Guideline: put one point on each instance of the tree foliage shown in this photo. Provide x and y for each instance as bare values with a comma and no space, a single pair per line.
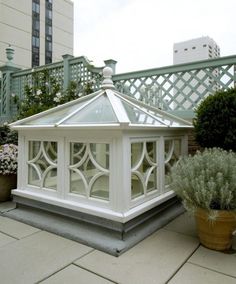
46,92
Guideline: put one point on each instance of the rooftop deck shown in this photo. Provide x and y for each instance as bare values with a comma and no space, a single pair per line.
170,255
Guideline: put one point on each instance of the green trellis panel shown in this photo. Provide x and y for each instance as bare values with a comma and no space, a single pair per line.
177,89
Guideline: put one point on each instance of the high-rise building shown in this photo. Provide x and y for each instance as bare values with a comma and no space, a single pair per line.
40,31
195,49
194,85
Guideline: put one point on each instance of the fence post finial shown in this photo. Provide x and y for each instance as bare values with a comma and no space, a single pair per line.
112,64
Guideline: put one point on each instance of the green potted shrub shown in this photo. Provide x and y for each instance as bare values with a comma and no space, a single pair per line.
215,120
8,170
206,183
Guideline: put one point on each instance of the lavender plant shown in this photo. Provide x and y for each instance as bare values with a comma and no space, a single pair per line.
206,180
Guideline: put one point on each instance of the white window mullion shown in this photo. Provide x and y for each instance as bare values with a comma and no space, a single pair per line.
61,168
161,164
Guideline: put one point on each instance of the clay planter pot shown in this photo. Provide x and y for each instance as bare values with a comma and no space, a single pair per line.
216,234
7,183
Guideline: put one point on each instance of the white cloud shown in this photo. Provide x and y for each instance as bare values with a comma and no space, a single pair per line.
139,34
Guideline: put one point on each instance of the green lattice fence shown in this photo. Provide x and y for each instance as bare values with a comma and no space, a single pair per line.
180,88
177,89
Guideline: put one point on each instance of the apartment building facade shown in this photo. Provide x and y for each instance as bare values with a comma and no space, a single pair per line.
40,31
195,49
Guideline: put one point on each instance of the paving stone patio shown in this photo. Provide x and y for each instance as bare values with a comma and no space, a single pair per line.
170,255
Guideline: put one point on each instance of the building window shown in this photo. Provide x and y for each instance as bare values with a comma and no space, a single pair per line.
35,41
48,31
204,45
36,25
48,46
48,14
185,49
194,47
35,58
35,7
35,32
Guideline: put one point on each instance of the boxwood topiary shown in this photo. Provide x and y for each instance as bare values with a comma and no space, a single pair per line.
215,121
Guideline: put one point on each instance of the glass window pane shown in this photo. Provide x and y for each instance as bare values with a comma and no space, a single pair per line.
100,153
55,116
151,151
100,188
136,186
137,116
50,180
144,115
42,164
77,152
152,181
89,169
51,150
99,111
33,176
34,147
172,153
77,185
143,168
136,153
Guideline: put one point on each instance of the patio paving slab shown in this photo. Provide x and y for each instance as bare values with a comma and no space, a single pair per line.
194,274
4,239
184,224
154,260
74,275
217,261
16,229
7,206
36,257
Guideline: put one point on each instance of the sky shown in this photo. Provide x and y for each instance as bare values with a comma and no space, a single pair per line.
139,34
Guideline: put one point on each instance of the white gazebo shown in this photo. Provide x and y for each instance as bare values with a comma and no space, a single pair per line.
104,157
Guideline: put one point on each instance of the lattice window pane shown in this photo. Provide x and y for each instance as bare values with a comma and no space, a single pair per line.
172,154
42,164
89,170
143,168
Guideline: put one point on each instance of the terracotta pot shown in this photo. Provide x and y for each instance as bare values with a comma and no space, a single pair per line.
7,183
216,234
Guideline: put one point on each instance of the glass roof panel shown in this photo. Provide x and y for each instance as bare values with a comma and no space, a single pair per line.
165,119
57,115
140,115
137,116
97,112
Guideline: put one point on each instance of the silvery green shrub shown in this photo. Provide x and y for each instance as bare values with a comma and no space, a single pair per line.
206,180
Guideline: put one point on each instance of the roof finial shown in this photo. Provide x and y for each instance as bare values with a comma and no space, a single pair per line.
107,83
10,53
